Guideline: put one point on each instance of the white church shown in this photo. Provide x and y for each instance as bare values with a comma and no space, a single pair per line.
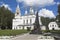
23,22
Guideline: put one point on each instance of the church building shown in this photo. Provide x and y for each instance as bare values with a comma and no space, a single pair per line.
26,21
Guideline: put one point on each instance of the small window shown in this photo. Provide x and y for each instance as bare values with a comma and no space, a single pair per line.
52,25
55,25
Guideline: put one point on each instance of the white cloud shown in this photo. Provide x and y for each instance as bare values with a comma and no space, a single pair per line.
6,6
46,13
37,2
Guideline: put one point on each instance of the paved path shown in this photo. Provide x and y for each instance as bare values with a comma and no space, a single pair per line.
26,37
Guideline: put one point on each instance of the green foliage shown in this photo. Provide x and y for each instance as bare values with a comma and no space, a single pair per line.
28,28
46,21
59,9
12,32
46,31
58,16
6,17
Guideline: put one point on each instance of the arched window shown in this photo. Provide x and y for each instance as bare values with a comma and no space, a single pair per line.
27,21
24,21
30,21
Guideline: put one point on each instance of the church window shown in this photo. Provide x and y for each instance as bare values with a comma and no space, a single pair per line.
27,21
52,25
30,21
24,21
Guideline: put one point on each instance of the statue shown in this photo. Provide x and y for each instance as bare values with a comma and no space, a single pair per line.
37,29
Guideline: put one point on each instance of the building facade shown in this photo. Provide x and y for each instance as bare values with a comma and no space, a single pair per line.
24,22
53,26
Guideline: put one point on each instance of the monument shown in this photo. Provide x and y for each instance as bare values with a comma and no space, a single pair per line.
37,29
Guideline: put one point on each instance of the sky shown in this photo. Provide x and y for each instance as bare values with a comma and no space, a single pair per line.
46,8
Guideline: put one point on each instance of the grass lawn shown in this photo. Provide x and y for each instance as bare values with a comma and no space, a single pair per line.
12,32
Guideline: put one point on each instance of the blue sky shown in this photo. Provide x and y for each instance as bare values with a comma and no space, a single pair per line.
13,3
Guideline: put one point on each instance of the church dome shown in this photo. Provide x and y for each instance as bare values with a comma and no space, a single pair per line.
31,11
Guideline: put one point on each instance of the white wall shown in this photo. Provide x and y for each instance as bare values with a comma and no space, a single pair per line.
53,25
20,21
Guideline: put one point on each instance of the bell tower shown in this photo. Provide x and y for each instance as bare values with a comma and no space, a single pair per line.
31,11
17,13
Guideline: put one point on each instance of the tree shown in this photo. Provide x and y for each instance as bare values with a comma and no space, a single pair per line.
6,17
46,21
58,16
59,9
